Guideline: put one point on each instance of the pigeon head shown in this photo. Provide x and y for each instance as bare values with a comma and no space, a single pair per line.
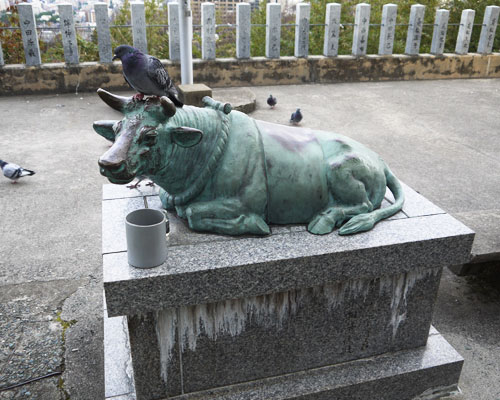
2,163
123,51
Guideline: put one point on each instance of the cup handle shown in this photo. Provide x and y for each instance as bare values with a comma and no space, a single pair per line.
167,222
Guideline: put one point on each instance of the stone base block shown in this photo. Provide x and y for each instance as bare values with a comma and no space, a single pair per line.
192,94
424,373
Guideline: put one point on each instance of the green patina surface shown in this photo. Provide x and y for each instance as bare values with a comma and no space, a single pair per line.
228,173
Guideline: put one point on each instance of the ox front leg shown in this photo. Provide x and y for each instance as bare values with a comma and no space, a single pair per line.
227,216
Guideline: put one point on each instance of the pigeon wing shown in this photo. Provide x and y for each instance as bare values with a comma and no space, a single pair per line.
158,74
26,172
12,171
126,80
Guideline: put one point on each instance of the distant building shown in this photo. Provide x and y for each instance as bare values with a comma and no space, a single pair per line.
4,4
224,7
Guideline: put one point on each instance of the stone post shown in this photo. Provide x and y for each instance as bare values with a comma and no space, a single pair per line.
103,33
208,31
174,47
68,32
273,30
29,34
302,29
490,22
138,17
387,29
465,31
361,27
414,35
439,33
332,27
243,14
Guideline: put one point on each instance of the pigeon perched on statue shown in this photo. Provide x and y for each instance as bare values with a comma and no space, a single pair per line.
271,101
296,117
146,74
14,171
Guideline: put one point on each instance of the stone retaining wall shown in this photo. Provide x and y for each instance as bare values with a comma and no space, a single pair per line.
258,71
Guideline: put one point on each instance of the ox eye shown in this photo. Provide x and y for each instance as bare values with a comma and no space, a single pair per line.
148,134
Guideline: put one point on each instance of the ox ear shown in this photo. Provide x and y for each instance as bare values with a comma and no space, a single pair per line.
185,136
105,129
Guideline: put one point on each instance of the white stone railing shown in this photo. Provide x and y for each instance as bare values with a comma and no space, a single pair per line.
332,25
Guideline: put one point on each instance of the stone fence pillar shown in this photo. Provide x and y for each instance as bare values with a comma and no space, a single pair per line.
273,30
332,30
414,35
490,22
301,48
439,33
138,18
103,33
361,28
243,16
387,29
68,32
29,34
208,31
174,47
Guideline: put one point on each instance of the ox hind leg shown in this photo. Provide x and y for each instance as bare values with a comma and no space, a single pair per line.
348,183
227,216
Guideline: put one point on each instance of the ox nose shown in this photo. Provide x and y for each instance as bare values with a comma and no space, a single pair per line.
110,164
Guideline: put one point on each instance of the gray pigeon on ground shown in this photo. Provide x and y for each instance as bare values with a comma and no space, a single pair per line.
14,171
271,101
296,117
146,74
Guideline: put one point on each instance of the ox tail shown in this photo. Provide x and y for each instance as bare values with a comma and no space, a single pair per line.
364,222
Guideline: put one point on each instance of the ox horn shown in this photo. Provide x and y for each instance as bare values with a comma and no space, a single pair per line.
168,106
119,103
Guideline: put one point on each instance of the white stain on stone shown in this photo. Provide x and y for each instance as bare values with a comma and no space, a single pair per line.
338,292
398,286
439,392
230,317
165,331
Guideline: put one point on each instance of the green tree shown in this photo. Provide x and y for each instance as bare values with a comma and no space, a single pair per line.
10,39
456,7
157,36
258,31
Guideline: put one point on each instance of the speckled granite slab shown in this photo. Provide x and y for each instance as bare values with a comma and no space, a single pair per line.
424,373
204,268
223,310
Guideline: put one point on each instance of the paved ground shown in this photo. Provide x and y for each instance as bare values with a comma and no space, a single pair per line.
440,137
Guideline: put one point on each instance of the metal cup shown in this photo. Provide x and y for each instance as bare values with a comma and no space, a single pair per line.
146,231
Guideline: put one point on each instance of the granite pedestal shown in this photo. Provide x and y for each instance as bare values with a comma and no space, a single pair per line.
290,315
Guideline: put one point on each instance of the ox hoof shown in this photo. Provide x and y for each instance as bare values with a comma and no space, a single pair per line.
259,226
163,197
320,227
359,223
326,221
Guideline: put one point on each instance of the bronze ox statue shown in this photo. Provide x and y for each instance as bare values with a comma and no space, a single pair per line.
226,172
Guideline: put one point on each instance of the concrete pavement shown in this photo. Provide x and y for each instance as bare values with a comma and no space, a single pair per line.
439,137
